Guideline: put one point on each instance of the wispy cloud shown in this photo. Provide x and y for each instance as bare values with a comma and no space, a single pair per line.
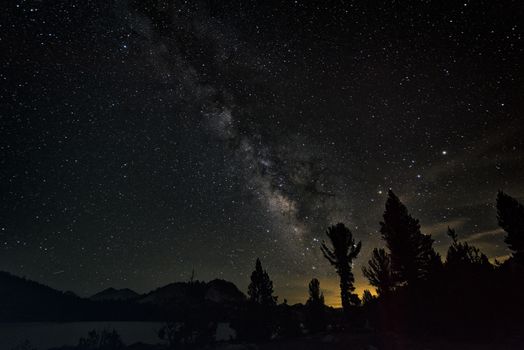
441,228
500,258
485,234
480,155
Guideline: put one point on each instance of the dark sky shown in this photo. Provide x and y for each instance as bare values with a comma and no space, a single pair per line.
142,139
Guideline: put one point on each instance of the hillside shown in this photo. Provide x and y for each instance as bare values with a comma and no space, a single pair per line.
25,300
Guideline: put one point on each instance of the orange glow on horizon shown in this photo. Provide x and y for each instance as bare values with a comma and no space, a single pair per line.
330,288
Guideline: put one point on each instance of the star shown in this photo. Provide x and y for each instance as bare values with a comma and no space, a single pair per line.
152,137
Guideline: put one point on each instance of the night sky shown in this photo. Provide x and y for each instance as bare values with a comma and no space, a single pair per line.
140,140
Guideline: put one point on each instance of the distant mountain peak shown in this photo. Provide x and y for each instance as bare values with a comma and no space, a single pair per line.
217,290
221,291
115,294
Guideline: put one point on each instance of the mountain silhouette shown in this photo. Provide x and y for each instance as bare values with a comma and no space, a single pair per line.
26,300
22,299
217,291
115,294
221,291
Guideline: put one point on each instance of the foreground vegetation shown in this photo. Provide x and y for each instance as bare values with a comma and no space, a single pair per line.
422,299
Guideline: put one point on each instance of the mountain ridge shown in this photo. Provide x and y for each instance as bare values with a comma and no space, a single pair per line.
22,299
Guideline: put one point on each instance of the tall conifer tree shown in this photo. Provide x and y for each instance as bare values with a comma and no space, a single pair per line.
341,256
411,252
260,289
510,215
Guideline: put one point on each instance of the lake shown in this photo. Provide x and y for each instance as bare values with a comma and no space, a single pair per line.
46,335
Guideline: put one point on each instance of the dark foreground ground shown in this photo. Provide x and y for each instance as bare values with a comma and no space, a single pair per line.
367,341
386,342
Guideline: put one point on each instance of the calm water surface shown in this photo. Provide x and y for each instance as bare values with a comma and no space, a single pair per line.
46,335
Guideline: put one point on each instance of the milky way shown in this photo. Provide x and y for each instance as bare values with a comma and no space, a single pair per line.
143,139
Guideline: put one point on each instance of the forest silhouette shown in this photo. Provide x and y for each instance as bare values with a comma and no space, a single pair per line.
460,296
419,292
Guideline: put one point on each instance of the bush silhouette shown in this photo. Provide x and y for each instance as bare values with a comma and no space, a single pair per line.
103,340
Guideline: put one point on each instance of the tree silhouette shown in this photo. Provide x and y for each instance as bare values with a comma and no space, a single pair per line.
379,272
315,318
367,297
315,294
510,215
104,340
195,332
260,289
258,320
462,255
341,256
411,252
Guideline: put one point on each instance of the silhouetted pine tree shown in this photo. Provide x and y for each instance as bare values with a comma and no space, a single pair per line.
510,215
315,306
462,255
468,281
259,320
411,252
260,289
367,298
341,256
379,272
315,294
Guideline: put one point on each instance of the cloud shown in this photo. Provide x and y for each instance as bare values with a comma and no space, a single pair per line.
485,234
500,258
441,228
481,155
